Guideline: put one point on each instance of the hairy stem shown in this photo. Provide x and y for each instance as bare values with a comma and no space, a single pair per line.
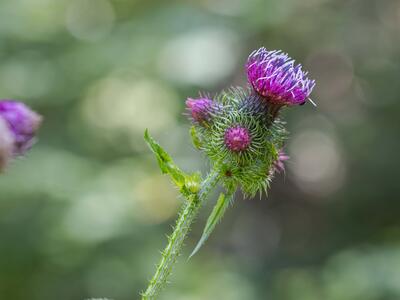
189,211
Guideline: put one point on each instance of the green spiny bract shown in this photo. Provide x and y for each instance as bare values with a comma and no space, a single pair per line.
250,167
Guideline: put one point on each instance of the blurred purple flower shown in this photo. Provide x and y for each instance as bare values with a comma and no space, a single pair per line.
200,109
274,75
22,124
237,139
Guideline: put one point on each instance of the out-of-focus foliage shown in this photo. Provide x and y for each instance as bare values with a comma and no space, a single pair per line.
85,214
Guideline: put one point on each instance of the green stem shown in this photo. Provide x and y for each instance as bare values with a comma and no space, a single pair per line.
171,252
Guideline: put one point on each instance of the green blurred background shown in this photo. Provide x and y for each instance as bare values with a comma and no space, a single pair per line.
86,212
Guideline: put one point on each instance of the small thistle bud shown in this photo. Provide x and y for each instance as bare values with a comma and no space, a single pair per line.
22,124
278,165
237,139
274,75
200,109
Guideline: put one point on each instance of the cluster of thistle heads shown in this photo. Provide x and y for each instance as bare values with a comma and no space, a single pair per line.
18,128
239,129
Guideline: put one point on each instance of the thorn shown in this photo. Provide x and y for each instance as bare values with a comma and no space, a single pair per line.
312,102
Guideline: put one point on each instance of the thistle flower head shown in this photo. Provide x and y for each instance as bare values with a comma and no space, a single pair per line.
22,124
274,75
237,139
200,109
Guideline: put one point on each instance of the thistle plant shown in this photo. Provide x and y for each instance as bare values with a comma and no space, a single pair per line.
18,128
240,132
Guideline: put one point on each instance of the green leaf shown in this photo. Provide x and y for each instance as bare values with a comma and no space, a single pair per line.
216,215
165,162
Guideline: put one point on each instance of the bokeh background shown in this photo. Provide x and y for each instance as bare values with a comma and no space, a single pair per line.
86,212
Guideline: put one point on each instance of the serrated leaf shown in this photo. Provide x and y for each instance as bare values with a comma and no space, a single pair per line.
215,216
165,162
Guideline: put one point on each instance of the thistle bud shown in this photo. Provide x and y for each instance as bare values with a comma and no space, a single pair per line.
278,165
237,139
18,127
200,109
274,75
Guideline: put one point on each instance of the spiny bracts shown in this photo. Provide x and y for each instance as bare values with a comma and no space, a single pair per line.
241,139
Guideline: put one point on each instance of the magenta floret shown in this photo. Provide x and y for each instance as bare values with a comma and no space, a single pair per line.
237,139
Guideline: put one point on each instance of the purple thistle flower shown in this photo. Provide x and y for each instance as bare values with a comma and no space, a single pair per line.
274,75
22,124
237,139
200,109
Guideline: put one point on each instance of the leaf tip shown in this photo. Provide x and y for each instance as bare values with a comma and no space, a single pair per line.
198,246
146,134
